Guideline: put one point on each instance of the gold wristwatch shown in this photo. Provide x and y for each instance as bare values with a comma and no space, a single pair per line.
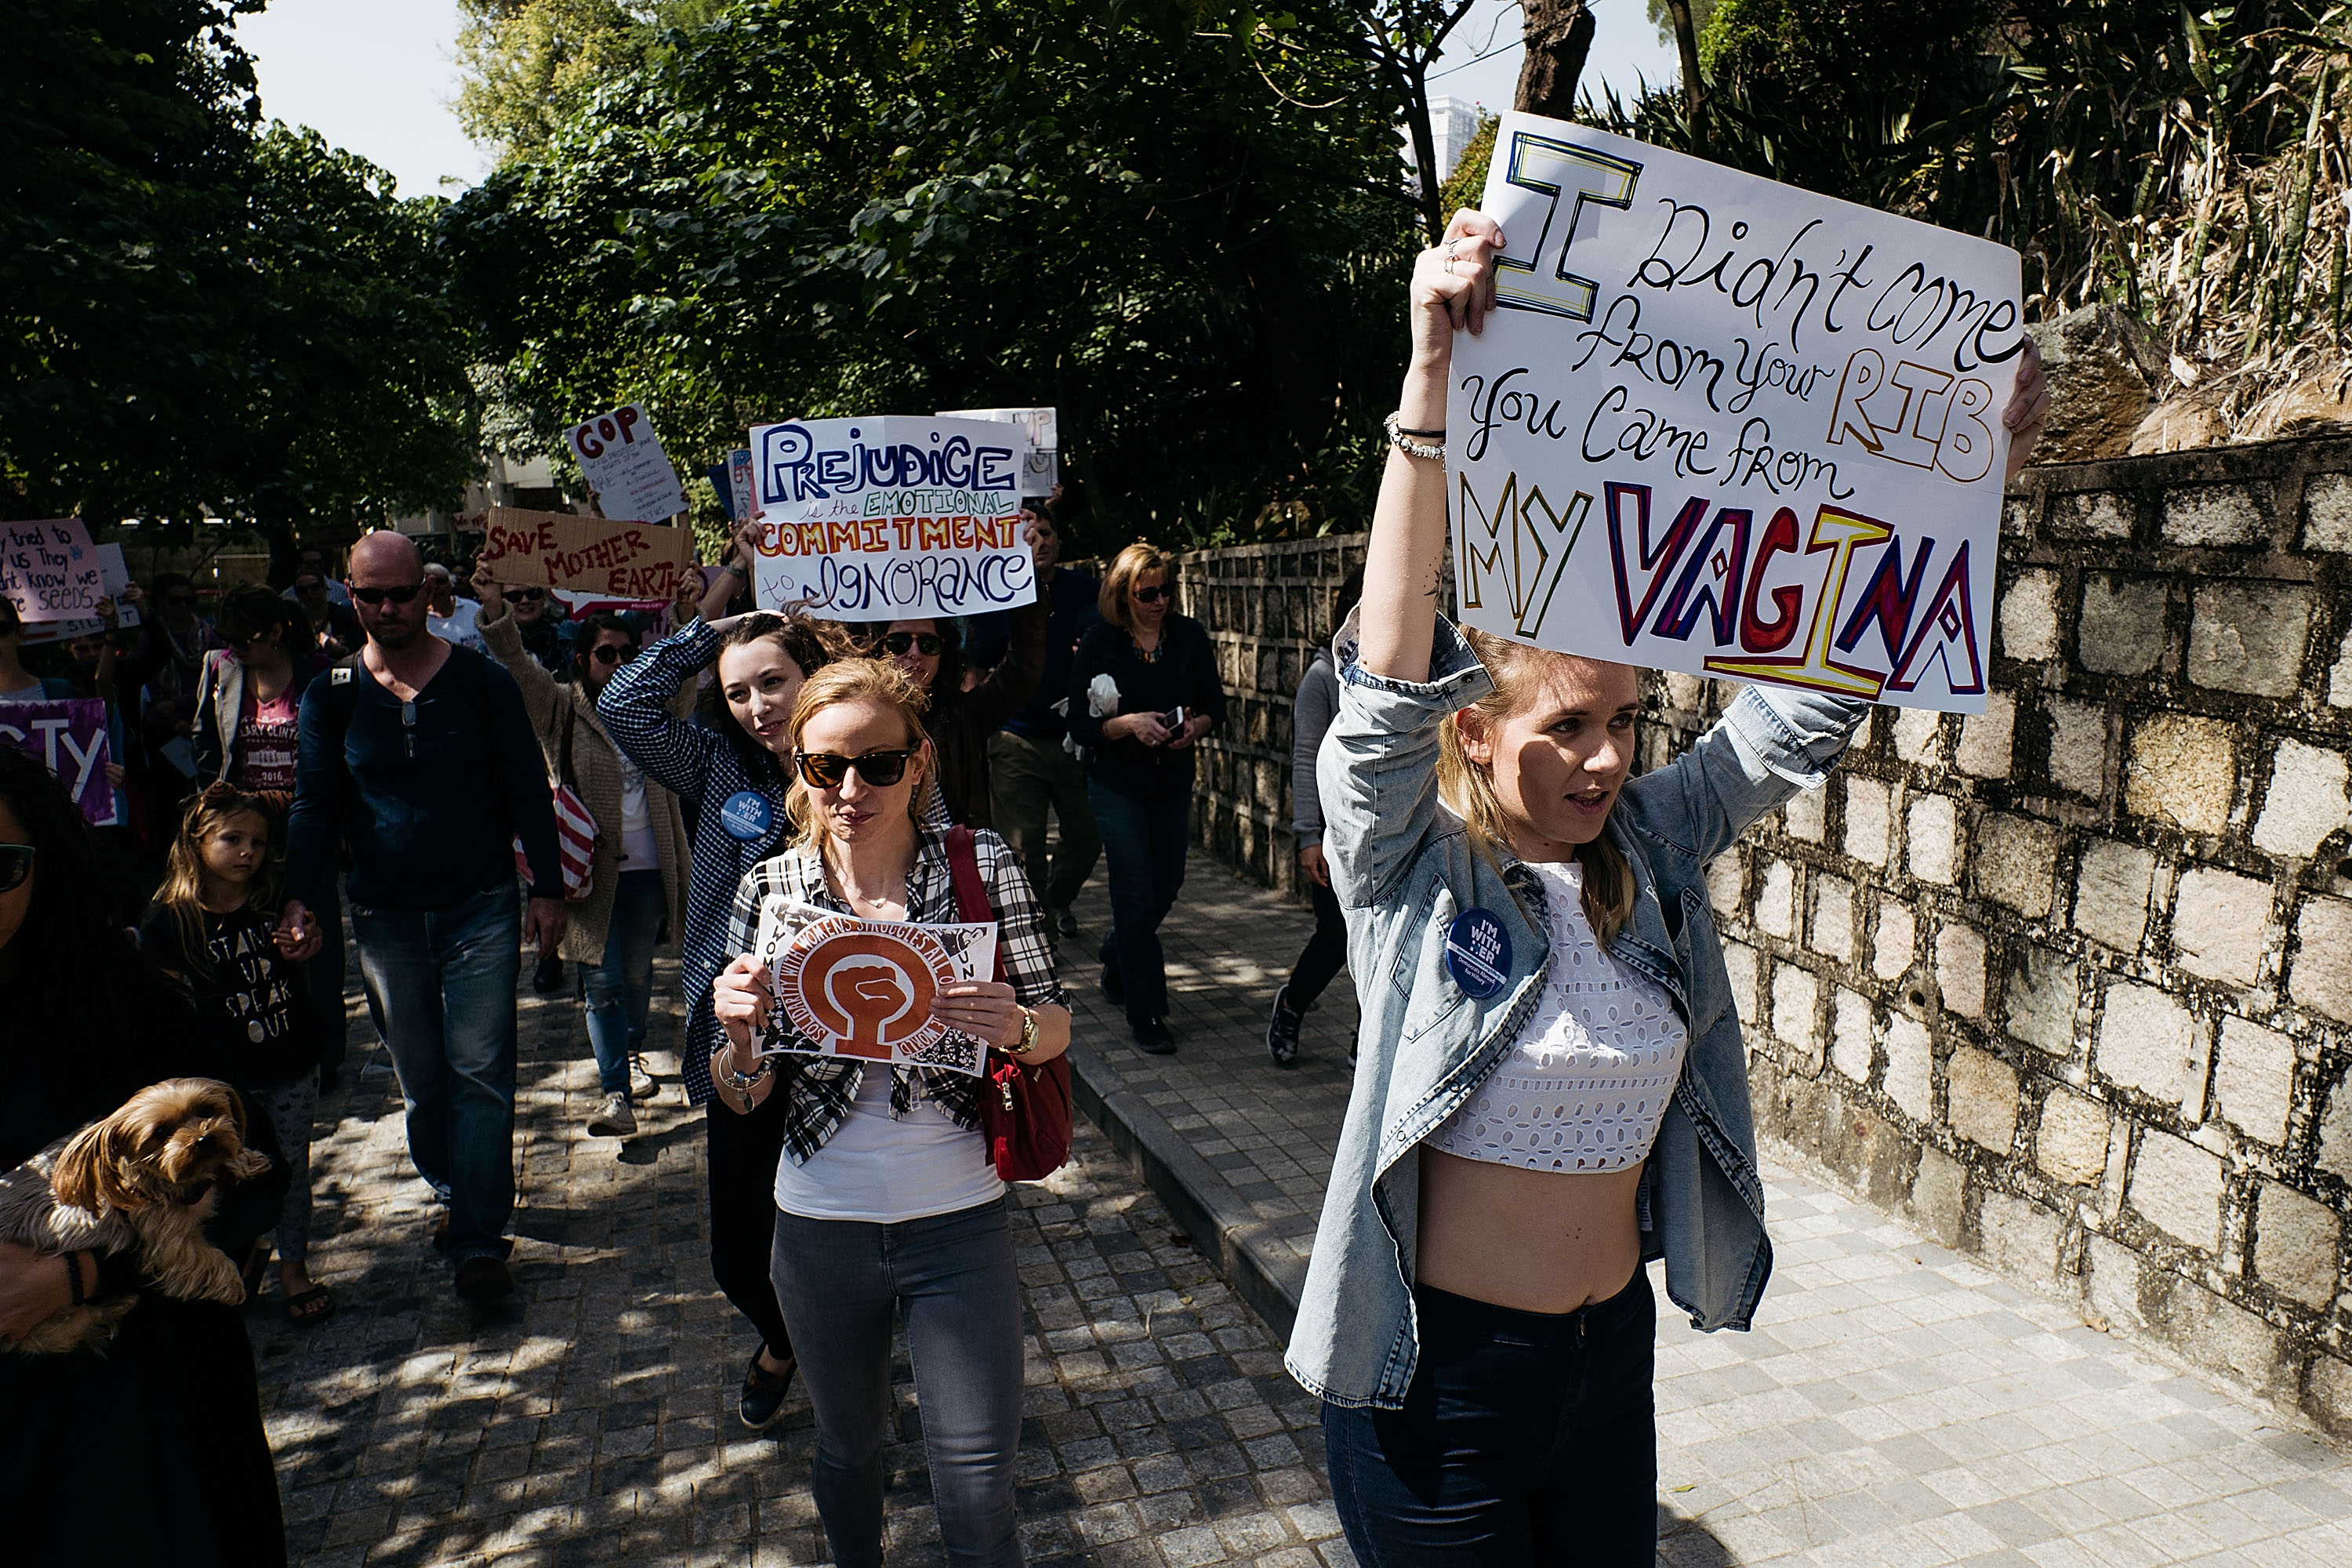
1028,1035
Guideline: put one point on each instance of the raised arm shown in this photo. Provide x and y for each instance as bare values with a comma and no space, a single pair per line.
636,708
503,637
1452,287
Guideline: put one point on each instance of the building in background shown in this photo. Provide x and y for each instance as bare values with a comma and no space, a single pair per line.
1451,122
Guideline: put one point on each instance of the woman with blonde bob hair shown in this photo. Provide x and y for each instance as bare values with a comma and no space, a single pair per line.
1552,1087
1143,688
885,1196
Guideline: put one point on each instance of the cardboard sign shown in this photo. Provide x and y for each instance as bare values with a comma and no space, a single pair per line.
1042,471
49,570
114,577
885,519
851,987
1725,426
622,461
69,738
592,554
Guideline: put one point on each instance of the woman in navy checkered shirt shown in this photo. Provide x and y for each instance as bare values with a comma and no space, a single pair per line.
885,1196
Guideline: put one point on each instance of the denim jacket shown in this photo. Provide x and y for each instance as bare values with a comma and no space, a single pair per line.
1403,867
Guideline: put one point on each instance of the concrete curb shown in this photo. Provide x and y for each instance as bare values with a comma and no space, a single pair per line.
1198,1197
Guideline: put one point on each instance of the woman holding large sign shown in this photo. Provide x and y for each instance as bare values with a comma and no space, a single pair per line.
886,1197
730,765
1554,1089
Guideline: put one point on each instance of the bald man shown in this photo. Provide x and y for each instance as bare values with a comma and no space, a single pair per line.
420,763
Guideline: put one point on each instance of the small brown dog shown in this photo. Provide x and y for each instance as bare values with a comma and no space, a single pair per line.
144,1179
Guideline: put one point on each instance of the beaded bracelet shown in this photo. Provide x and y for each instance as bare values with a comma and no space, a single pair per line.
1403,440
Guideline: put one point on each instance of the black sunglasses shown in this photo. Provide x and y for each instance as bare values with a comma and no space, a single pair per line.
825,770
533,594
612,653
1151,595
15,865
397,596
928,643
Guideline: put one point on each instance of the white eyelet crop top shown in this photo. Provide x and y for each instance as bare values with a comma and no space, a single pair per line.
1587,1083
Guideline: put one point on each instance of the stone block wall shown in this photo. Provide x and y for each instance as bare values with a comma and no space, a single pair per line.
2069,983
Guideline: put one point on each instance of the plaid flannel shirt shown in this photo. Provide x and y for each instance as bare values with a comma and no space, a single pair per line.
820,1088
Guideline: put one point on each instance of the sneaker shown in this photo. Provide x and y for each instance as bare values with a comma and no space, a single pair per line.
763,1393
643,1085
1282,1031
1114,987
1065,921
484,1279
614,1118
1153,1039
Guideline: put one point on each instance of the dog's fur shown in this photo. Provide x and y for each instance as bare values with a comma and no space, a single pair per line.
143,1180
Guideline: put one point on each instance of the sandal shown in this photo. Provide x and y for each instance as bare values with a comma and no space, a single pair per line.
312,1307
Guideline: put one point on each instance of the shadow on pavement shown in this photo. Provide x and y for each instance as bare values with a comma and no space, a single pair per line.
1688,1543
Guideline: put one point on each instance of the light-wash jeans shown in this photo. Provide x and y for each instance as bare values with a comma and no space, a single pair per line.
951,1277
443,983
620,990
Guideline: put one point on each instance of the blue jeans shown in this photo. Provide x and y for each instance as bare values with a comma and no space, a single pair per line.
1144,841
443,981
1526,1439
952,1279
620,990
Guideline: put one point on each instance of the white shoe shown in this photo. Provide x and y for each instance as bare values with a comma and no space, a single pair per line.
614,1118
643,1085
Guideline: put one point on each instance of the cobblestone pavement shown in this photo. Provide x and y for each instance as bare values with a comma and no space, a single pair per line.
1895,1405
593,1419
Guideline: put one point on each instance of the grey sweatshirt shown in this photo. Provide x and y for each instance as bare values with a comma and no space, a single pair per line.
1310,715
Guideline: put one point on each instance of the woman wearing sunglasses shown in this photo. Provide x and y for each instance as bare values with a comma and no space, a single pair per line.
730,765
1143,688
639,873
885,1198
930,654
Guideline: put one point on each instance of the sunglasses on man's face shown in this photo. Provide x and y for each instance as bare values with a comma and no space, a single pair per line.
927,644
397,596
825,770
1151,595
615,652
15,865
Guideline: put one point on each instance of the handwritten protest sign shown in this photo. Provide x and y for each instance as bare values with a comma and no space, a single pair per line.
69,738
740,506
851,987
114,577
1728,427
590,555
622,461
1043,470
899,516
49,570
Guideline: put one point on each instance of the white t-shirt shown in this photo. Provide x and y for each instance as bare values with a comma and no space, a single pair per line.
884,1172
457,626
639,849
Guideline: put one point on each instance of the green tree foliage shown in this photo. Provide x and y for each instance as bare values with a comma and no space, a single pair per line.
528,63
199,316
809,207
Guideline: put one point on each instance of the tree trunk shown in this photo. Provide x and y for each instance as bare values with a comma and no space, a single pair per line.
1686,44
1558,34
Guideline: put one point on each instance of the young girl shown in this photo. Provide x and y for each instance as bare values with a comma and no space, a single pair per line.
213,925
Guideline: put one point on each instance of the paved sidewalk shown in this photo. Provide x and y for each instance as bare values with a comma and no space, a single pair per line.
593,1419
1895,1405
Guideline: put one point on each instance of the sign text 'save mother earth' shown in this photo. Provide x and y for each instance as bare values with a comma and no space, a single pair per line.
1729,427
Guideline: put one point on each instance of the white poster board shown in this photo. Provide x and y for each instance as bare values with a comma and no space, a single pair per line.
894,517
863,989
1042,471
623,463
1728,427
114,577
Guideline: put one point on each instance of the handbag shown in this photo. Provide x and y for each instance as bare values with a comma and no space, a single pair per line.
575,829
1025,1107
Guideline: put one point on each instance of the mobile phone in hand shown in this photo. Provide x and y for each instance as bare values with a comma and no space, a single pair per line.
1173,720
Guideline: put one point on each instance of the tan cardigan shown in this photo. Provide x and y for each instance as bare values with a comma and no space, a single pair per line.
596,773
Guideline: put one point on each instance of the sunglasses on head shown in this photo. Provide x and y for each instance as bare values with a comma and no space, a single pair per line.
825,770
15,865
612,653
1151,595
397,596
929,644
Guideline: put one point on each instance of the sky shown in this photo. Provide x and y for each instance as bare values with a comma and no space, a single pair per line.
379,77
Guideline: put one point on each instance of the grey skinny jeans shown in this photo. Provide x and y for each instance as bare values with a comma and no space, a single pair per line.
952,1278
